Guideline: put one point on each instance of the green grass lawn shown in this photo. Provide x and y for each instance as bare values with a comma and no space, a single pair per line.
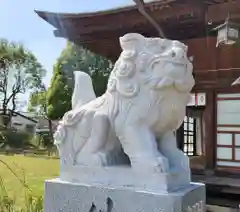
35,170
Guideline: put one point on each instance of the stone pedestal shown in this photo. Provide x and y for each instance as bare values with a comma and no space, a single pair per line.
62,196
125,176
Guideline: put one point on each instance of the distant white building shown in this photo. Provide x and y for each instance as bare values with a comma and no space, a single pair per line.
43,125
21,121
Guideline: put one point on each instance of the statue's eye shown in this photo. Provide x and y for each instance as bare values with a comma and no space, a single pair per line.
173,54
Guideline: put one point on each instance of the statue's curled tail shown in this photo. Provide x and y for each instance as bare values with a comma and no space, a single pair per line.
83,89
83,93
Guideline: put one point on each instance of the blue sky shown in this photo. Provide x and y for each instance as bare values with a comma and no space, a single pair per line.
18,22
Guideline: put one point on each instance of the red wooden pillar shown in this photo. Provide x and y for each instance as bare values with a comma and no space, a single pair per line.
209,136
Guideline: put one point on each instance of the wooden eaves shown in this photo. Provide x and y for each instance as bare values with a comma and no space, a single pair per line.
99,31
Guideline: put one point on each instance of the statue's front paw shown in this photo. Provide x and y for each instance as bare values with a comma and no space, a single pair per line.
163,164
185,162
102,158
181,162
67,159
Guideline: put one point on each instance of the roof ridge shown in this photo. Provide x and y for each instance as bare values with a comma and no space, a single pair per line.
47,14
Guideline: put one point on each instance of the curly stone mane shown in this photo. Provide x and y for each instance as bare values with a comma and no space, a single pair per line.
134,68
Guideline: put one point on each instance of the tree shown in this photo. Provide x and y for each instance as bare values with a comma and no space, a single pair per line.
74,58
38,105
19,71
58,94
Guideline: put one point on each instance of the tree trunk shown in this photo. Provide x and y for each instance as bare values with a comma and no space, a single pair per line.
5,120
50,129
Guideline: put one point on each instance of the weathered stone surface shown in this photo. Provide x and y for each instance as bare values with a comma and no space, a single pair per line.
72,197
117,176
145,102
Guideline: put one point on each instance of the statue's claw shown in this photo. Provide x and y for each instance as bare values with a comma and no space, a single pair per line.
163,165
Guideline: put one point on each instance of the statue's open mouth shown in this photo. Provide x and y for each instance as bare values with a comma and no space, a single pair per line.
176,68
177,63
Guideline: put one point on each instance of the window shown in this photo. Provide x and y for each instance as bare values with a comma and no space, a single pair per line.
189,136
228,130
17,124
29,128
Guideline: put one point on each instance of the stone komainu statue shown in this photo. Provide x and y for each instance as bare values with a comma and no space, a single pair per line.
134,121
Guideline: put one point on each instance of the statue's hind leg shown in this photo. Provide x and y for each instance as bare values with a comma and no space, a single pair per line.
139,144
168,147
93,152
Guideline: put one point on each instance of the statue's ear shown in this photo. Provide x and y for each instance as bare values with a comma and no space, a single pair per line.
191,58
131,41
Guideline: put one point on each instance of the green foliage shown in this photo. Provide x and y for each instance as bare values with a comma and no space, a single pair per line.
15,139
58,95
36,141
42,140
20,139
14,56
19,71
46,140
37,102
74,58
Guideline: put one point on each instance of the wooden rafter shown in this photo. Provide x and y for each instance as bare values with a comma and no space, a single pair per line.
218,13
141,7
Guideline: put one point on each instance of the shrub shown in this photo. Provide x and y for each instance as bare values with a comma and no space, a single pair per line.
45,139
15,139
36,141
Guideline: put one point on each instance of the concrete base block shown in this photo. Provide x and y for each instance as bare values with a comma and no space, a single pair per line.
63,196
